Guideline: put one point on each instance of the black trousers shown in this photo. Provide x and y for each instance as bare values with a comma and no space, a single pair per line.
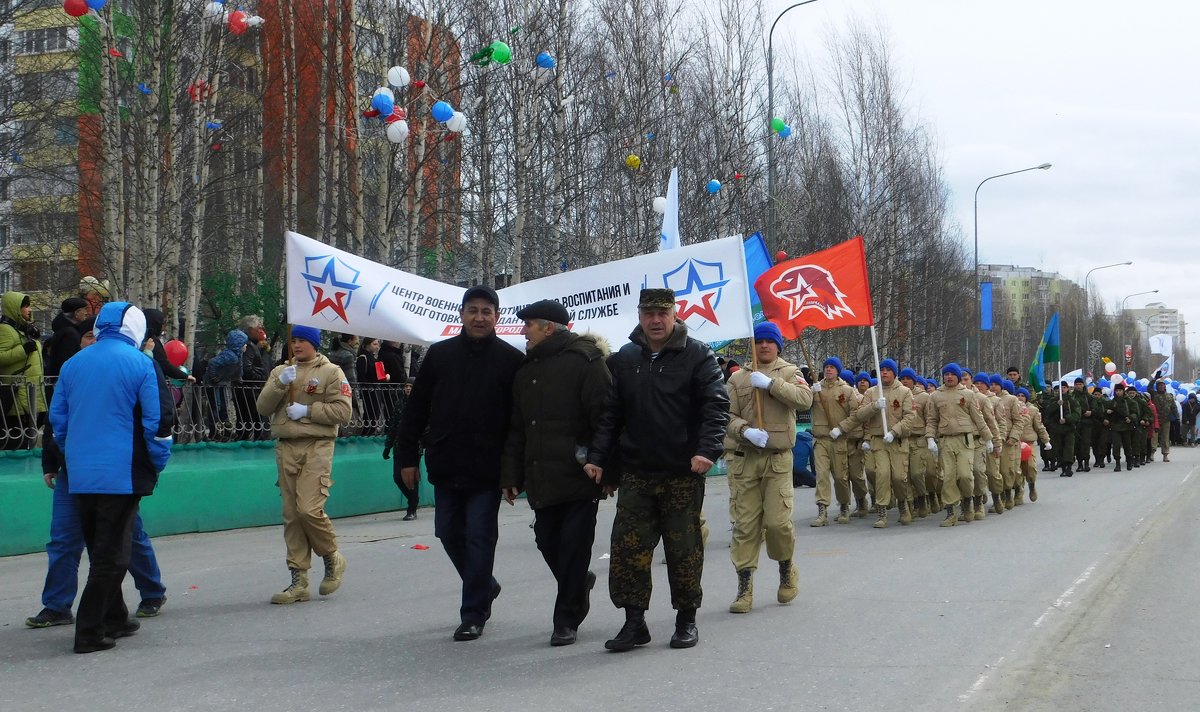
564,534
465,520
414,499
107,521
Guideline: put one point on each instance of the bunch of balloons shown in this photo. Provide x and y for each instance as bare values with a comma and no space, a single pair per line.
238,21
454,120
780,127
79,8
497,52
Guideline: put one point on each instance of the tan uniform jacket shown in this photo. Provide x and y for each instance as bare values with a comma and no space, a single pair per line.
832,405
990,433
779,405
321,386
921,402
1031,425
953,411
1009,406
902,416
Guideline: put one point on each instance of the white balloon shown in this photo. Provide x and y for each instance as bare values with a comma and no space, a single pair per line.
398,77
660,205
214,10
384,90
397,131
1131,375
458,122
254,21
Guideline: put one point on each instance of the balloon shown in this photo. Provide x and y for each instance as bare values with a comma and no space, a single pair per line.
457,122
1144,381
1117,378
398,77
785,132
501,53
214,11
237,22
385,92
75,8
397,131
442,112
1110,367
177,352
713,186
1131,375
398,114
97,5
1026,451
633,162
545,60
778,124
780,256
419,84
383,103
660,205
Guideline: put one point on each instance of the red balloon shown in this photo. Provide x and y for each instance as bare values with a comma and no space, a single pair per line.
177,352
75,8
237,22
398,114
1026,452
418,84
780,256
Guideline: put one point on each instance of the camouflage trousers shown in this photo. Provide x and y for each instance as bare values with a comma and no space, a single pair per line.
649,509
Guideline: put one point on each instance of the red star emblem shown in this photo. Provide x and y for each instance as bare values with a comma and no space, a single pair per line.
703,308
321,301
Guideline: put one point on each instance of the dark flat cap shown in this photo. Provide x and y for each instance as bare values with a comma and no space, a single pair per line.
72,303
547,309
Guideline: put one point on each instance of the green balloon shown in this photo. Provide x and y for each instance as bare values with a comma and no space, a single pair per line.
777,124
501,53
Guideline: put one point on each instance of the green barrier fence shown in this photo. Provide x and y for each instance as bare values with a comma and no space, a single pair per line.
206,487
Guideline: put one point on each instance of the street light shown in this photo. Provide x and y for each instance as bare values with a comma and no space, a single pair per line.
770,115
1122,321
1087,305
978,305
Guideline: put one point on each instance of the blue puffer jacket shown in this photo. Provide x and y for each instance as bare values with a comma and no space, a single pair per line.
112,412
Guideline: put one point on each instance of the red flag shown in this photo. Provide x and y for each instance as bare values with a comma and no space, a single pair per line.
826,290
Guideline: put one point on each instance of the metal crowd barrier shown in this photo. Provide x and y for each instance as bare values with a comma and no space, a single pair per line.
218,414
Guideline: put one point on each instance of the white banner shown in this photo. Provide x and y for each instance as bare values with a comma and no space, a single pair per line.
336,291
1160,344
1168,367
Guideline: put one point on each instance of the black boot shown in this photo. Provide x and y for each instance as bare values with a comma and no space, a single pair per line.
633,633
1067,471
1118,467
686,635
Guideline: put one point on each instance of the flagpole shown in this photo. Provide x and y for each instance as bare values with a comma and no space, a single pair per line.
1060,392
879,375
757,392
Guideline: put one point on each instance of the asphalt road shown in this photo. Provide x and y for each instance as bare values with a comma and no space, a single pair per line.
1081,601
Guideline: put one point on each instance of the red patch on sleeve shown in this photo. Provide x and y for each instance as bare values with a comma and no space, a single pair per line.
346,389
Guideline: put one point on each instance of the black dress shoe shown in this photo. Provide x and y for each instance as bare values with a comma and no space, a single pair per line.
130,627
468,631
686,636
563,635
95,646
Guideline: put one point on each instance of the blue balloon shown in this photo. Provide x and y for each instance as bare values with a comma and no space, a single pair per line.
546,61
785,132
383,104
97,5
442,112
713,186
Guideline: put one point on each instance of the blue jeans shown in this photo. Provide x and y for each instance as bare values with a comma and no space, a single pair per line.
65,548
465,521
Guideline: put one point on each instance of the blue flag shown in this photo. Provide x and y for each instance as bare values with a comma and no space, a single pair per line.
758,261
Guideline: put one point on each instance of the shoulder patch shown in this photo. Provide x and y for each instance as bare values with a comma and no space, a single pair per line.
346,388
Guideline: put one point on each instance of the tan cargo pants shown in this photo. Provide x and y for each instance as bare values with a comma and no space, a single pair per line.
304,482
760,507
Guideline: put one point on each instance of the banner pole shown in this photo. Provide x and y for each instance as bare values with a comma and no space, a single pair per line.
1060,392
879,375
757,391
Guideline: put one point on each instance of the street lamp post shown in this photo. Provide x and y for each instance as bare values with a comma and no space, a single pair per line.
1121,313
1087,297
774,240
978,305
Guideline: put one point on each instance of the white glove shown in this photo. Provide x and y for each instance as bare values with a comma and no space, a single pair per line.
287,375
760,380
296,411
835,433
866,446
1047,447
889,437
990,447
933,446
756,437
816,387
882,403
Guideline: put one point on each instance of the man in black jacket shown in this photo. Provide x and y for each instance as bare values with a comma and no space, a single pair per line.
665,425
65,342
558,397
460,405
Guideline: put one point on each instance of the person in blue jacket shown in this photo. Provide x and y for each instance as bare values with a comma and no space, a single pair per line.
112,415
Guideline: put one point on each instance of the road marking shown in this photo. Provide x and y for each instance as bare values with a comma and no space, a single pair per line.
1189,475
983,678
1064,600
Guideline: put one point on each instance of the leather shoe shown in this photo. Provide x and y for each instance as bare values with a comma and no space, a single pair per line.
468,631
130,627
563,635
686,636
95,646
633,634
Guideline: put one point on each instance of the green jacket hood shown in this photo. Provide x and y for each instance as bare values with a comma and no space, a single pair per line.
10,305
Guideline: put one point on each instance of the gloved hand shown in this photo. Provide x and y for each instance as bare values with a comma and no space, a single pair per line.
387,452
816,387
760,380
287,375
882,403
889,437
866,446
756,437
835,433
933,446
296,411
29,346
1047,448
990,447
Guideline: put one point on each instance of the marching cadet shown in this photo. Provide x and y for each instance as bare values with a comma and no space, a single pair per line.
952,421
835,401
977,499
860,466
1119,415
1101,435
1141,425
918,491
1061,414
888,449
1085,430
1029,422
758,448
1010,456
999,465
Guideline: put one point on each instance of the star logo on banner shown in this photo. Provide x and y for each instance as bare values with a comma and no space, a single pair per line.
811,287
697,285
331,284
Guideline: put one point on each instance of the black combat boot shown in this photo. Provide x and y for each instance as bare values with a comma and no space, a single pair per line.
633,633
1118,467
686,635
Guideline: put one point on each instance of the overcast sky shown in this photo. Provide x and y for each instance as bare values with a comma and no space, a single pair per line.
1107,92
